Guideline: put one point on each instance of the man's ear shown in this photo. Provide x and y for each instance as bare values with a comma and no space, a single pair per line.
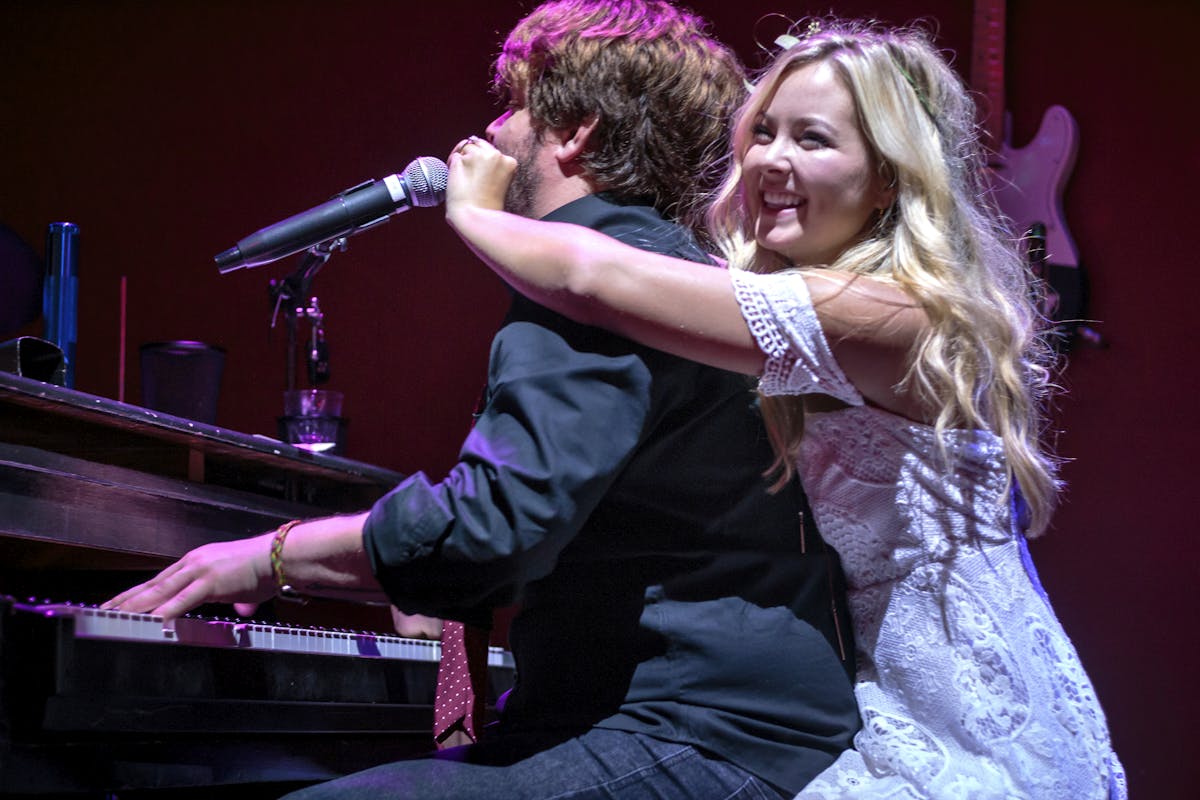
574,140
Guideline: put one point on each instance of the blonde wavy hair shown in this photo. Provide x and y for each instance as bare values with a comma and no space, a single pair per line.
983,363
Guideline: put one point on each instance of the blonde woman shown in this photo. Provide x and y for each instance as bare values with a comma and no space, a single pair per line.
887,312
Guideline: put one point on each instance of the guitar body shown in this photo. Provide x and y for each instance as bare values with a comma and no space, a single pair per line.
1028,183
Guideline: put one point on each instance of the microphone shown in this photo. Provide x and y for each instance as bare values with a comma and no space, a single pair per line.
423,184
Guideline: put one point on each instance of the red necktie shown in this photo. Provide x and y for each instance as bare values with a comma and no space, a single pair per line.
462,672
461,683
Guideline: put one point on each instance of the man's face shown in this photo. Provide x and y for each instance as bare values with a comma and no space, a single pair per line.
512,134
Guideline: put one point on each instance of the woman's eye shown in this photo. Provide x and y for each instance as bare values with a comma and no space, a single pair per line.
814,139
761,134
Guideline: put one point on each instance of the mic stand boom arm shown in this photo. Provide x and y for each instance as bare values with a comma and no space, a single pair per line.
291,295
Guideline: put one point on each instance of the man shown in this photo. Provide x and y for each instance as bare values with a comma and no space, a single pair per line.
679,632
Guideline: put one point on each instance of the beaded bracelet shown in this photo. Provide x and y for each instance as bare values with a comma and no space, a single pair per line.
283,588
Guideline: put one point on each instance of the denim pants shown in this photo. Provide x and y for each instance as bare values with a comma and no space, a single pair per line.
598,764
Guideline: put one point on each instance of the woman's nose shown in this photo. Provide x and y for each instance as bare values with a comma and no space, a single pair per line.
776,154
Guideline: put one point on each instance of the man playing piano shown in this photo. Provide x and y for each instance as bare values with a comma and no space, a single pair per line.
679,633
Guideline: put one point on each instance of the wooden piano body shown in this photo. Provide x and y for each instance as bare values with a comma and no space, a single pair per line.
95,495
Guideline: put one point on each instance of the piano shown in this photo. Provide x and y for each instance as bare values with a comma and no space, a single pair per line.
97,495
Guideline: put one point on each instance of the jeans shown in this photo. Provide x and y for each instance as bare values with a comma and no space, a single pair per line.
598,764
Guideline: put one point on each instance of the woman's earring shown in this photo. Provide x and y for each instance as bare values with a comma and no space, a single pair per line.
884,220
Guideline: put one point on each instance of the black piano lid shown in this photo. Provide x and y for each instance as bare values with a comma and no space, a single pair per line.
90,482
59,403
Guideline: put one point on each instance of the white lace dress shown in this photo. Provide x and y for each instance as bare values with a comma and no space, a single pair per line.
967,685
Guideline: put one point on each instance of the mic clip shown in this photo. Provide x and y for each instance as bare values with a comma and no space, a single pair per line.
290,295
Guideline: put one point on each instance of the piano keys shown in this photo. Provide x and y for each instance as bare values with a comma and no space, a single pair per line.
89,622
78,680
97,495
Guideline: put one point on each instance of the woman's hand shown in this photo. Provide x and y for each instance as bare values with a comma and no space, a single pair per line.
479,178
222,572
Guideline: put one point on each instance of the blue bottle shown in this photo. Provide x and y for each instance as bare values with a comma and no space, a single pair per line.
60,293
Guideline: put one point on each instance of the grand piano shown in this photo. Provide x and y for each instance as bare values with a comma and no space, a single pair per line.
96,495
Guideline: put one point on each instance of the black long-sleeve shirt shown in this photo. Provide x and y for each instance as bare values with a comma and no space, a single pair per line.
617,493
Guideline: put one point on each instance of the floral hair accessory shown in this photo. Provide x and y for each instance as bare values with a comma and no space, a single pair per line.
788,40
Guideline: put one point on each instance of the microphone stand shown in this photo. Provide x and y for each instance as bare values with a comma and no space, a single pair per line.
291,294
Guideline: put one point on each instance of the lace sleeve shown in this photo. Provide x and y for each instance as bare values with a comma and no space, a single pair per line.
779,311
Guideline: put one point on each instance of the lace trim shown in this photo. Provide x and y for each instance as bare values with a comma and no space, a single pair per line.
778,309
894,745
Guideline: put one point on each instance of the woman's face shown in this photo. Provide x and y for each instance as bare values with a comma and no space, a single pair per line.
810,183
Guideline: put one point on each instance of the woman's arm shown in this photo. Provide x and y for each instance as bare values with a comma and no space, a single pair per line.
669,304
677,306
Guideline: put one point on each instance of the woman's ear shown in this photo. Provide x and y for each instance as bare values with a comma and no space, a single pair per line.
888,186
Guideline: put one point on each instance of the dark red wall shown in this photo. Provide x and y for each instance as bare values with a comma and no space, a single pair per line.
167,131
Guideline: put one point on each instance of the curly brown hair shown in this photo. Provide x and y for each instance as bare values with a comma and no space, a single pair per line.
662,90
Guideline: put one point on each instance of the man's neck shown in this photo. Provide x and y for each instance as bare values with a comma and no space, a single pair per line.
557,193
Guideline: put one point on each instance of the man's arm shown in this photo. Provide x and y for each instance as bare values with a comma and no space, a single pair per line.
561,422
322,558
566,409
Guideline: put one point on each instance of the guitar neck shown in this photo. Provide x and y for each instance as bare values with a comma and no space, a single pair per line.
987,68
1027,182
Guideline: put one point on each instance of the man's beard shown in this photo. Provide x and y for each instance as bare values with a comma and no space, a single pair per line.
526,182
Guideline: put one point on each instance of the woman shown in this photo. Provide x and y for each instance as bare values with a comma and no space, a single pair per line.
889,318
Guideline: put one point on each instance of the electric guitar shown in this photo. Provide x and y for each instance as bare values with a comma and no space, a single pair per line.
1028,182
